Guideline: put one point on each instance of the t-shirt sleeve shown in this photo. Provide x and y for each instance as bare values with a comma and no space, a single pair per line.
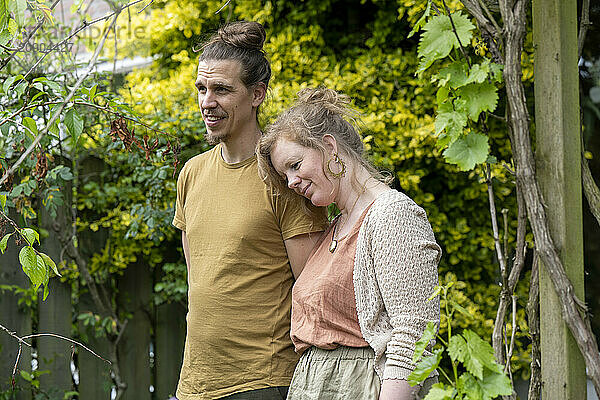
179,218
294,220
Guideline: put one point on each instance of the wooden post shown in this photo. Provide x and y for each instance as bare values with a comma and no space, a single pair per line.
558,168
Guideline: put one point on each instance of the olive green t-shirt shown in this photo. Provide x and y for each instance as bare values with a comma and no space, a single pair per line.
240,280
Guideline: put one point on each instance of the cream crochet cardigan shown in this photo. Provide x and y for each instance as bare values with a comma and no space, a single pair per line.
395,272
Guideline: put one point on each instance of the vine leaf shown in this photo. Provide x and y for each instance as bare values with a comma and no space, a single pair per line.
479,73
439,392
421,20
423,342
479,97
495,384
451,120
454,75
470,387
425,367
468,151
439,38
459,350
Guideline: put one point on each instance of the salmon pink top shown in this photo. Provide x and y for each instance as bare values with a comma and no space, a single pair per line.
323,303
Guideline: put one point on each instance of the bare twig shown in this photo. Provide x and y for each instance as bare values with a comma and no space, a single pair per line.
224,5
22,342
492,205
87,104
146,6
68,340
533,305
490,31
590,189
513,332
592,193
489,15
584,24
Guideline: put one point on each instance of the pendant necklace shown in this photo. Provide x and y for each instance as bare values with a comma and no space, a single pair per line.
334,242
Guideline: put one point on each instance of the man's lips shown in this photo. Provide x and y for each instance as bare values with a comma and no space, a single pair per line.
213,119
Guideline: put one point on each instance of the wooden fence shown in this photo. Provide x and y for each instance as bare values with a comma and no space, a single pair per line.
150,351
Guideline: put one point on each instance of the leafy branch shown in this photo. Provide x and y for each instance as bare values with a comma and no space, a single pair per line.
475,372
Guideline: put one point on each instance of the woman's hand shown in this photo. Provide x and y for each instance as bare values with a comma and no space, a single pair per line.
397,389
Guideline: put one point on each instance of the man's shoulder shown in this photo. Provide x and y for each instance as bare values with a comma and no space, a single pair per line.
198,162
200,159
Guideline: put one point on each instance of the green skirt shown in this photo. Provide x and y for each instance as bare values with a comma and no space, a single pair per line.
340,374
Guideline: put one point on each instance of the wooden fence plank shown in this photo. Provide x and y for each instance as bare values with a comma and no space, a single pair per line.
170,338
94,374
13,317
55,314
135,291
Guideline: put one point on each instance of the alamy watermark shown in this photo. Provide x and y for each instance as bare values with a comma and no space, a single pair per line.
52,39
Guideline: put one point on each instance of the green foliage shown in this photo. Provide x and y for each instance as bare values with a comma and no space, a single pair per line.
475,373
28,383
173,286
100,326
464,90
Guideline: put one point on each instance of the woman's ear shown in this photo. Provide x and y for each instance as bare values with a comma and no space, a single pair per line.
330,144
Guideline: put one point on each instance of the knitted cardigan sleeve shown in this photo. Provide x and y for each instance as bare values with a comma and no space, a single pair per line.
405,257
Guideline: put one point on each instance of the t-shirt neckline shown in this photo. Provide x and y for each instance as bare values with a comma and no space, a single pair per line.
219,154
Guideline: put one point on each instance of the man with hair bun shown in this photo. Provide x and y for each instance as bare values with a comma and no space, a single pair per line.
243,243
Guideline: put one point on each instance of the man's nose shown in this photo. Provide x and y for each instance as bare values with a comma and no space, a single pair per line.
207,100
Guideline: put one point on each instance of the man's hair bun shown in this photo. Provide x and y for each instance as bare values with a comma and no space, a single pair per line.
248,35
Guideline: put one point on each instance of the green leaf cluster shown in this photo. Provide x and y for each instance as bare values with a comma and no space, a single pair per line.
476,374
465,90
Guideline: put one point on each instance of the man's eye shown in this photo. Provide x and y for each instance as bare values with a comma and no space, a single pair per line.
201,89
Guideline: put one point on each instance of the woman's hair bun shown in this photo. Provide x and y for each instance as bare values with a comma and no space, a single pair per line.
243,34
328,99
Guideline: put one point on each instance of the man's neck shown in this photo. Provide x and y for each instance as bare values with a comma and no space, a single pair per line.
240,147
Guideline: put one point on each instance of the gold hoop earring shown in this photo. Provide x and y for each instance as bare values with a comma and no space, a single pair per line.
342,164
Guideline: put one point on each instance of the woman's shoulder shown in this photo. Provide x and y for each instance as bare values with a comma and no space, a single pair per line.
390,201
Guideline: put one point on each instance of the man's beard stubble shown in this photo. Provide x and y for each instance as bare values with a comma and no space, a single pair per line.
215,139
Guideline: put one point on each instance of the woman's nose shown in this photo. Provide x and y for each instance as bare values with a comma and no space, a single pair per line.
293,181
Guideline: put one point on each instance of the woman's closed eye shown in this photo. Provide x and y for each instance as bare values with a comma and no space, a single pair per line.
295,166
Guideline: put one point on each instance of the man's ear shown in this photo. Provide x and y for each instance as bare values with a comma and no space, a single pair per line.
330,144
259,93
